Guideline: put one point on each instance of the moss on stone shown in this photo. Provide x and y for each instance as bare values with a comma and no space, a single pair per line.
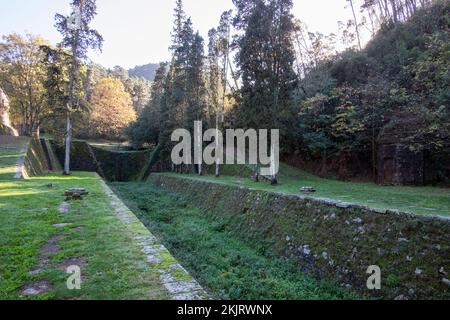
329,241
113,166
35,160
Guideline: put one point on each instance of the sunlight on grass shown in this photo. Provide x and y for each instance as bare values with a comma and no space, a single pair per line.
18,193
29,210
10,156
7,170
77,176
28,213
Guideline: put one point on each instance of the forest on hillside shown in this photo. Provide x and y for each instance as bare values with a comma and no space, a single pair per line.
147,71
333,110
260,67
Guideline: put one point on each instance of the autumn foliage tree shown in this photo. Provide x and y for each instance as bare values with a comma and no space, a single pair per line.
22,76
112,109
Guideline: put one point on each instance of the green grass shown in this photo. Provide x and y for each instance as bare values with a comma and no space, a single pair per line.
420,200
225,264
115,266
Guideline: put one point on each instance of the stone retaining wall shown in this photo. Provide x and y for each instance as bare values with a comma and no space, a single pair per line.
175,279
35,162
333,240
113,166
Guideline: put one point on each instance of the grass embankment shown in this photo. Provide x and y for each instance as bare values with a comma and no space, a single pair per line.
225,264
112,264
420,200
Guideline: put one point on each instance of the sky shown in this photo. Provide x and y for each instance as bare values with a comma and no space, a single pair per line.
137,32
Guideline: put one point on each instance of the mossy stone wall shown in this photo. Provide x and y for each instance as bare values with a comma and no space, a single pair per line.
39,159
334,241
237,170
121,166
113,166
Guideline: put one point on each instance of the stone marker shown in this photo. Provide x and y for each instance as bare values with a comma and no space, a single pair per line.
307,190
75,194
35,288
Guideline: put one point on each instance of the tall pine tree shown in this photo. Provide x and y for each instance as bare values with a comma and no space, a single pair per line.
184,98
266,64
78,36
173,101
195,87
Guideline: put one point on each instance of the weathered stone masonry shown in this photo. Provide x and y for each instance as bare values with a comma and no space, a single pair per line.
332,240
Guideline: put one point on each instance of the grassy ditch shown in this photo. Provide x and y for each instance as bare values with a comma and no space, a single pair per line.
331,240
227,265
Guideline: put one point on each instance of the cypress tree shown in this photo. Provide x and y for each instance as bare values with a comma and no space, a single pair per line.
266,62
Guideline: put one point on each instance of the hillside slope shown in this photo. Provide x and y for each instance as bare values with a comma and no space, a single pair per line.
394,91
147,71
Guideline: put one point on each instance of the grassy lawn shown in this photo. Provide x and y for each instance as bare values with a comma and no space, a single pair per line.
225,264
421,200
112,264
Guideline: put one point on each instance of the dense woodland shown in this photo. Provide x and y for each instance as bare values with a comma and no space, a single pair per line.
259,68
333,109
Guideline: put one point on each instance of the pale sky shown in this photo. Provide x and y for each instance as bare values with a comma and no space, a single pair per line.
137,32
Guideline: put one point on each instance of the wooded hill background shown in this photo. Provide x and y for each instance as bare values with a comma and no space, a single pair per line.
262,68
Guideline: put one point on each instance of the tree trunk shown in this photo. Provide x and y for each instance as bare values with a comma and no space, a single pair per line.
4,114
374,159
36,133
217,143
225,77
199,146
356,25
71,105
68,144
273,174
257,173
274,180
394,11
